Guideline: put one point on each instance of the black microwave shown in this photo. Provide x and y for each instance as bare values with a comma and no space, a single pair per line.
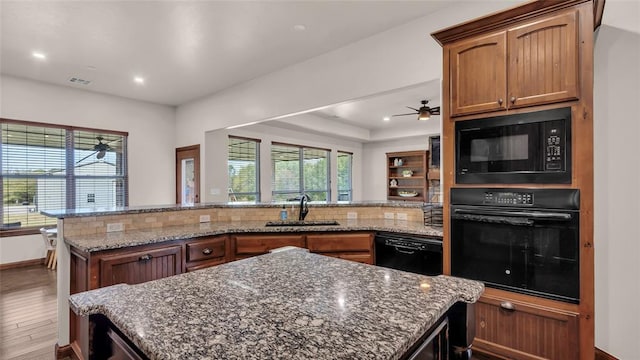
522,148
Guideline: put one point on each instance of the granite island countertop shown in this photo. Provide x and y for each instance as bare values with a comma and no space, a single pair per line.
289,304
121,239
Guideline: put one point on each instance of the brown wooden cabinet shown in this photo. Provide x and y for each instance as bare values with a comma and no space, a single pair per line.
134,267
519,330
530,64
357,246
407,175
257,244
206,252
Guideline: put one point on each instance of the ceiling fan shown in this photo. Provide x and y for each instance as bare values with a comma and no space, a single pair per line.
100,149
424,112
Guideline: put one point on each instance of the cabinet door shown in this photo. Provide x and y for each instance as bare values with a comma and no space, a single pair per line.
523,331
478,68
349,246
544,61
261,244
134,267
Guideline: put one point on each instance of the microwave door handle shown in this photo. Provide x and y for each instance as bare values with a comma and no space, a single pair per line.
525,214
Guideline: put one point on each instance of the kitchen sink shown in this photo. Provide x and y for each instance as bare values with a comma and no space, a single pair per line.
303,223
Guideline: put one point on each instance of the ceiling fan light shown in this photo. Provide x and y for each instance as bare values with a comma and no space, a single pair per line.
101,154
424,115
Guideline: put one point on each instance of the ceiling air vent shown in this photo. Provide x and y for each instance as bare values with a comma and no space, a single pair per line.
79,81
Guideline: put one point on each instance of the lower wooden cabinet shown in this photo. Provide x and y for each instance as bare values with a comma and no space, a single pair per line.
207,251
356,246
257,244
516,330
134,267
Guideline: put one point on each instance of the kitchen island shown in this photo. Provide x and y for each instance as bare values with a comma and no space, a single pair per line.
289,304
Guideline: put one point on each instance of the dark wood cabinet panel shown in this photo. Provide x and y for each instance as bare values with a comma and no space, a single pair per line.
207,249
525,331
257,244
140,266
356,246
543,61
479,74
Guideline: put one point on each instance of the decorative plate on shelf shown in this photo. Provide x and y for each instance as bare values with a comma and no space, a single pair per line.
407,193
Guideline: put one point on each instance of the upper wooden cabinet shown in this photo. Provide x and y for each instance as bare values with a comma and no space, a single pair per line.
532,64
479,74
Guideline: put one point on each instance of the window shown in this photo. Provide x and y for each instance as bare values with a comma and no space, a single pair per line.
53,167
244,174
297,170
345,163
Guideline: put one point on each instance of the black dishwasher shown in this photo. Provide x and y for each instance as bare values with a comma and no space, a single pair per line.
412,253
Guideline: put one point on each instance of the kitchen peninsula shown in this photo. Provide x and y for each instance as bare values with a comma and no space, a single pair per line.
289,304
161,241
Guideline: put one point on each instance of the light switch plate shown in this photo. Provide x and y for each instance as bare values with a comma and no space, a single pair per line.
352,215
205,218
402,216
388,216
113,227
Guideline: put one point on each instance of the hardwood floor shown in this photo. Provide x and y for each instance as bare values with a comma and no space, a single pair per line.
28,313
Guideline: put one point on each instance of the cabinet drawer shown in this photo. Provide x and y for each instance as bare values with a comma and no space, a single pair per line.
364,258
261,244
525,331
134,267
339,242
207,249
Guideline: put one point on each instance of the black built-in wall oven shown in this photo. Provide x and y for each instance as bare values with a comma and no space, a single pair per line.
521,240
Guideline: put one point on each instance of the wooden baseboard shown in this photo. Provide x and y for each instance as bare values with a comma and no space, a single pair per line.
66,352
20,264
601,355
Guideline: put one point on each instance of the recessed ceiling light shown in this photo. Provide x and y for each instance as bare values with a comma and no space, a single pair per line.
299,27
38,55
138,80
386,118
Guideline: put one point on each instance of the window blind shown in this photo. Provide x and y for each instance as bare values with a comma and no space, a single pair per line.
39,172
243,166
345,166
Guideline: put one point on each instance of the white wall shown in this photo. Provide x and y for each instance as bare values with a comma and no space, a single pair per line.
617,179
403,56
217,154
151,142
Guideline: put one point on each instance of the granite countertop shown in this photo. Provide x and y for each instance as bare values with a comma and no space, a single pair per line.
73,213
115,240
290,305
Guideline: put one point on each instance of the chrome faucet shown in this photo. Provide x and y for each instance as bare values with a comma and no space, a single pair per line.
304,207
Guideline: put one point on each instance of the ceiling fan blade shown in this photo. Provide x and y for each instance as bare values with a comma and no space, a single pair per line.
413,108
435,110
86,157
404,114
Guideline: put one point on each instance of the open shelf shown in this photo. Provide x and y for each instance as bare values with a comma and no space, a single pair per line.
415,162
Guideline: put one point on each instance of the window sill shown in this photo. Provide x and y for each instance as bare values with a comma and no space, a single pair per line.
20,232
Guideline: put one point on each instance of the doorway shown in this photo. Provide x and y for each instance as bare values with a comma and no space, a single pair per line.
188,175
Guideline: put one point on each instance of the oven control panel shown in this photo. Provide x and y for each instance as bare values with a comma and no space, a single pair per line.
508,198
554,159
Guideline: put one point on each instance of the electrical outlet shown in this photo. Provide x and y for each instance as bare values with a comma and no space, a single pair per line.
205,218
402,216
352,215
388,216
115,227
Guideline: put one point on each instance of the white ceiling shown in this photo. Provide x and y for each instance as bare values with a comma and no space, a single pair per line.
189,49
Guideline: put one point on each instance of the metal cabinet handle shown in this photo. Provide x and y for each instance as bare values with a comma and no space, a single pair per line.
513,99
207,251
500,101
507,305
146,257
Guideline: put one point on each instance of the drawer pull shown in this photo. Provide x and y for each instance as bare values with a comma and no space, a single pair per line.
513,99
207,251
500,101
146,257
507,305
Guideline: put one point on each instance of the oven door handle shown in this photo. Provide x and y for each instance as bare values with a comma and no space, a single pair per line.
520,214
494,219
